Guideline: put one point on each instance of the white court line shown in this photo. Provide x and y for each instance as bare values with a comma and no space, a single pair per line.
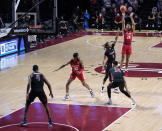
39,123
118,119
77,104
88,42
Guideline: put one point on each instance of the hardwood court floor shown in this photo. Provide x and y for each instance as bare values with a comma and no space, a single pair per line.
147,116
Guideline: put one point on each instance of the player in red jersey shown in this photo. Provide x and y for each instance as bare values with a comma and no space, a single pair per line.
127,47
77,71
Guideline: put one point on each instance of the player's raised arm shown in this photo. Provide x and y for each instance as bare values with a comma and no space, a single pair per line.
123,21
48,85
62,66
116,38
132,20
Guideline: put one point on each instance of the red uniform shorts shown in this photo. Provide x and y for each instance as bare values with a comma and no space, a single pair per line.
127,49
79,76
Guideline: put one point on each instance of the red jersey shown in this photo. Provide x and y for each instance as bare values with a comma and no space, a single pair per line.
128,37
76,66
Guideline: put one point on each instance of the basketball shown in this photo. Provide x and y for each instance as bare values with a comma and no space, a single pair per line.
123,8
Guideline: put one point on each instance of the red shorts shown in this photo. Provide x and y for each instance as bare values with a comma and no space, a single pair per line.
79,76
127,49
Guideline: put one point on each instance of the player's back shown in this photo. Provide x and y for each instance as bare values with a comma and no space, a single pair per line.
116,75
37,82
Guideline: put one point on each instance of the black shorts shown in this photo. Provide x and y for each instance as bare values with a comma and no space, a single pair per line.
108,67
116,84
40,94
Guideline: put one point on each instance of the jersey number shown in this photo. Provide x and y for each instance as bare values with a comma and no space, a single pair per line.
38,77
128,37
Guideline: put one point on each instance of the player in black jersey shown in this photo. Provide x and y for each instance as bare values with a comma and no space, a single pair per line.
117,80
35,84
109,57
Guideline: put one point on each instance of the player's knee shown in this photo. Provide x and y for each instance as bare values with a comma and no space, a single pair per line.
121,89
108,87
28,102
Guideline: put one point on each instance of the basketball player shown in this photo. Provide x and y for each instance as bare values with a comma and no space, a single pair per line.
109,57
117,80
77,71
36,82
127,47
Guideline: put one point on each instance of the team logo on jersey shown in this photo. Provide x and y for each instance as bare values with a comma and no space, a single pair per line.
141,70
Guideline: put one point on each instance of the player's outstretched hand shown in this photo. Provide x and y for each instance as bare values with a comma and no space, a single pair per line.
51,94
123,14
131,14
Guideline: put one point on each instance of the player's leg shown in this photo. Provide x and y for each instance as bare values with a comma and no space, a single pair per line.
106,76
43,98
111,85
29,100
72,77
121,87
122,60
127,61
124,48
87,86
81,78
129,52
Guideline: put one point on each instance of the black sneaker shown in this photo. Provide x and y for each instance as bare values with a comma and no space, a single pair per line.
92,94
102,89
23,123
50,123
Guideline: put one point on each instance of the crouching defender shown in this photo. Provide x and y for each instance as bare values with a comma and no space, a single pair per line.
117,80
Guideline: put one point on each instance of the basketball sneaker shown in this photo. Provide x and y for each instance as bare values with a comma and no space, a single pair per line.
91,92
116,91
109,102
50,123
102,88
67,97
133,101
23,123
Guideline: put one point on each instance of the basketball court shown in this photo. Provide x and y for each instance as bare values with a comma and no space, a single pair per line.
82,112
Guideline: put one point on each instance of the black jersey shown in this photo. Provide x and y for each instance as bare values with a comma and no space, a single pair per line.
37,82
116,75
110,53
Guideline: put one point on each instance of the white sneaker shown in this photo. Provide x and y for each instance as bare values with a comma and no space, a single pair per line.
92,94
67,97
116,91
109,102
133,101
102,89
